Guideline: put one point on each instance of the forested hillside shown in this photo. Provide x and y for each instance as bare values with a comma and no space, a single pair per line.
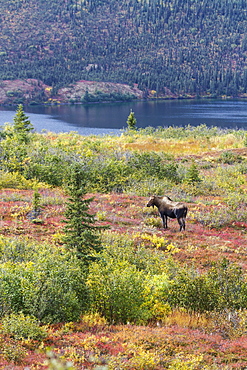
178,46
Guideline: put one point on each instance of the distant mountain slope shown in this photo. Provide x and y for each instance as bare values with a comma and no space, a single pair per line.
187,46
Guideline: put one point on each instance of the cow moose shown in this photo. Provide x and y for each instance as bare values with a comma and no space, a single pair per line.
168,208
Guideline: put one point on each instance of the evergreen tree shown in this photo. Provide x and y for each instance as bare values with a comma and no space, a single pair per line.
22,126
81,234
193,175
15,137
131,121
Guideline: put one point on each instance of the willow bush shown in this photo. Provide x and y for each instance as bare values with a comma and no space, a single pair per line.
118,291
42,281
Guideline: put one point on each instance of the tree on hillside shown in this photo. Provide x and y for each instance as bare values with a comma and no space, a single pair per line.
131,121
82,236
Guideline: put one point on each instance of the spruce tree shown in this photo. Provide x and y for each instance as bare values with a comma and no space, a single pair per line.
22,125
82,236
131,121
193,175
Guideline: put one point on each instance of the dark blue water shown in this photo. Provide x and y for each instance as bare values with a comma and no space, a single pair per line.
111,118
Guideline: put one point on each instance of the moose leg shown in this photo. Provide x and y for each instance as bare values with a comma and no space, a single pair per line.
164,220
181,223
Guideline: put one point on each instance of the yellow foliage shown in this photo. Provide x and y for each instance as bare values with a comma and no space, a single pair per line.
142,360
155,241
186,362
93,319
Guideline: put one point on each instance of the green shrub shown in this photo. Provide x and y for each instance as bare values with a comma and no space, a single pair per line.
117,291
15,180
222,287
125,248
47,284
15,250
152,164
50,167
11,298
229,157
230,282
108,175
54,289
20,326
245,140
147,186
192,291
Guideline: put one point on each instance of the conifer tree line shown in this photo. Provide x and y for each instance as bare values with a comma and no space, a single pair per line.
186,46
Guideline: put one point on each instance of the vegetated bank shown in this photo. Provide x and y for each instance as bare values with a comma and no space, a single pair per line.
185,48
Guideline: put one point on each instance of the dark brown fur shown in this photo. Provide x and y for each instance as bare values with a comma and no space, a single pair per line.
168,208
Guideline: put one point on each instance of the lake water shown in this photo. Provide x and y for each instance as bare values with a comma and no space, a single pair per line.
100,119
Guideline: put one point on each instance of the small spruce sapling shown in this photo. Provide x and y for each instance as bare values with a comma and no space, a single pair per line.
193,175
131,121
22,125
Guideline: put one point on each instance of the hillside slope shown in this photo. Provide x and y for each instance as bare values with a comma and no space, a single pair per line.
185,46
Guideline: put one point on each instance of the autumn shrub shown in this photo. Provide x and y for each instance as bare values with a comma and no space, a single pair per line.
222,287
43,282
20,326
193,292
53,362
154,164
141,360
117,291
147,186
93,319
229,157
188,362
156,291
229,178
129,248
14,180
220,216
108,174
16,249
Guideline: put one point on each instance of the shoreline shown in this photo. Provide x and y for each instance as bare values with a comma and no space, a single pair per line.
57,103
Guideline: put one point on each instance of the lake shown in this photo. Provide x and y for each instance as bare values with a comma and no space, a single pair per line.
110,118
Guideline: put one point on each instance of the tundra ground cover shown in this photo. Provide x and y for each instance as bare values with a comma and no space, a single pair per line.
127,215
170,281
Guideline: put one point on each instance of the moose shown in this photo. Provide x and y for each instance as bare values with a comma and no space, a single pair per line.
168,208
